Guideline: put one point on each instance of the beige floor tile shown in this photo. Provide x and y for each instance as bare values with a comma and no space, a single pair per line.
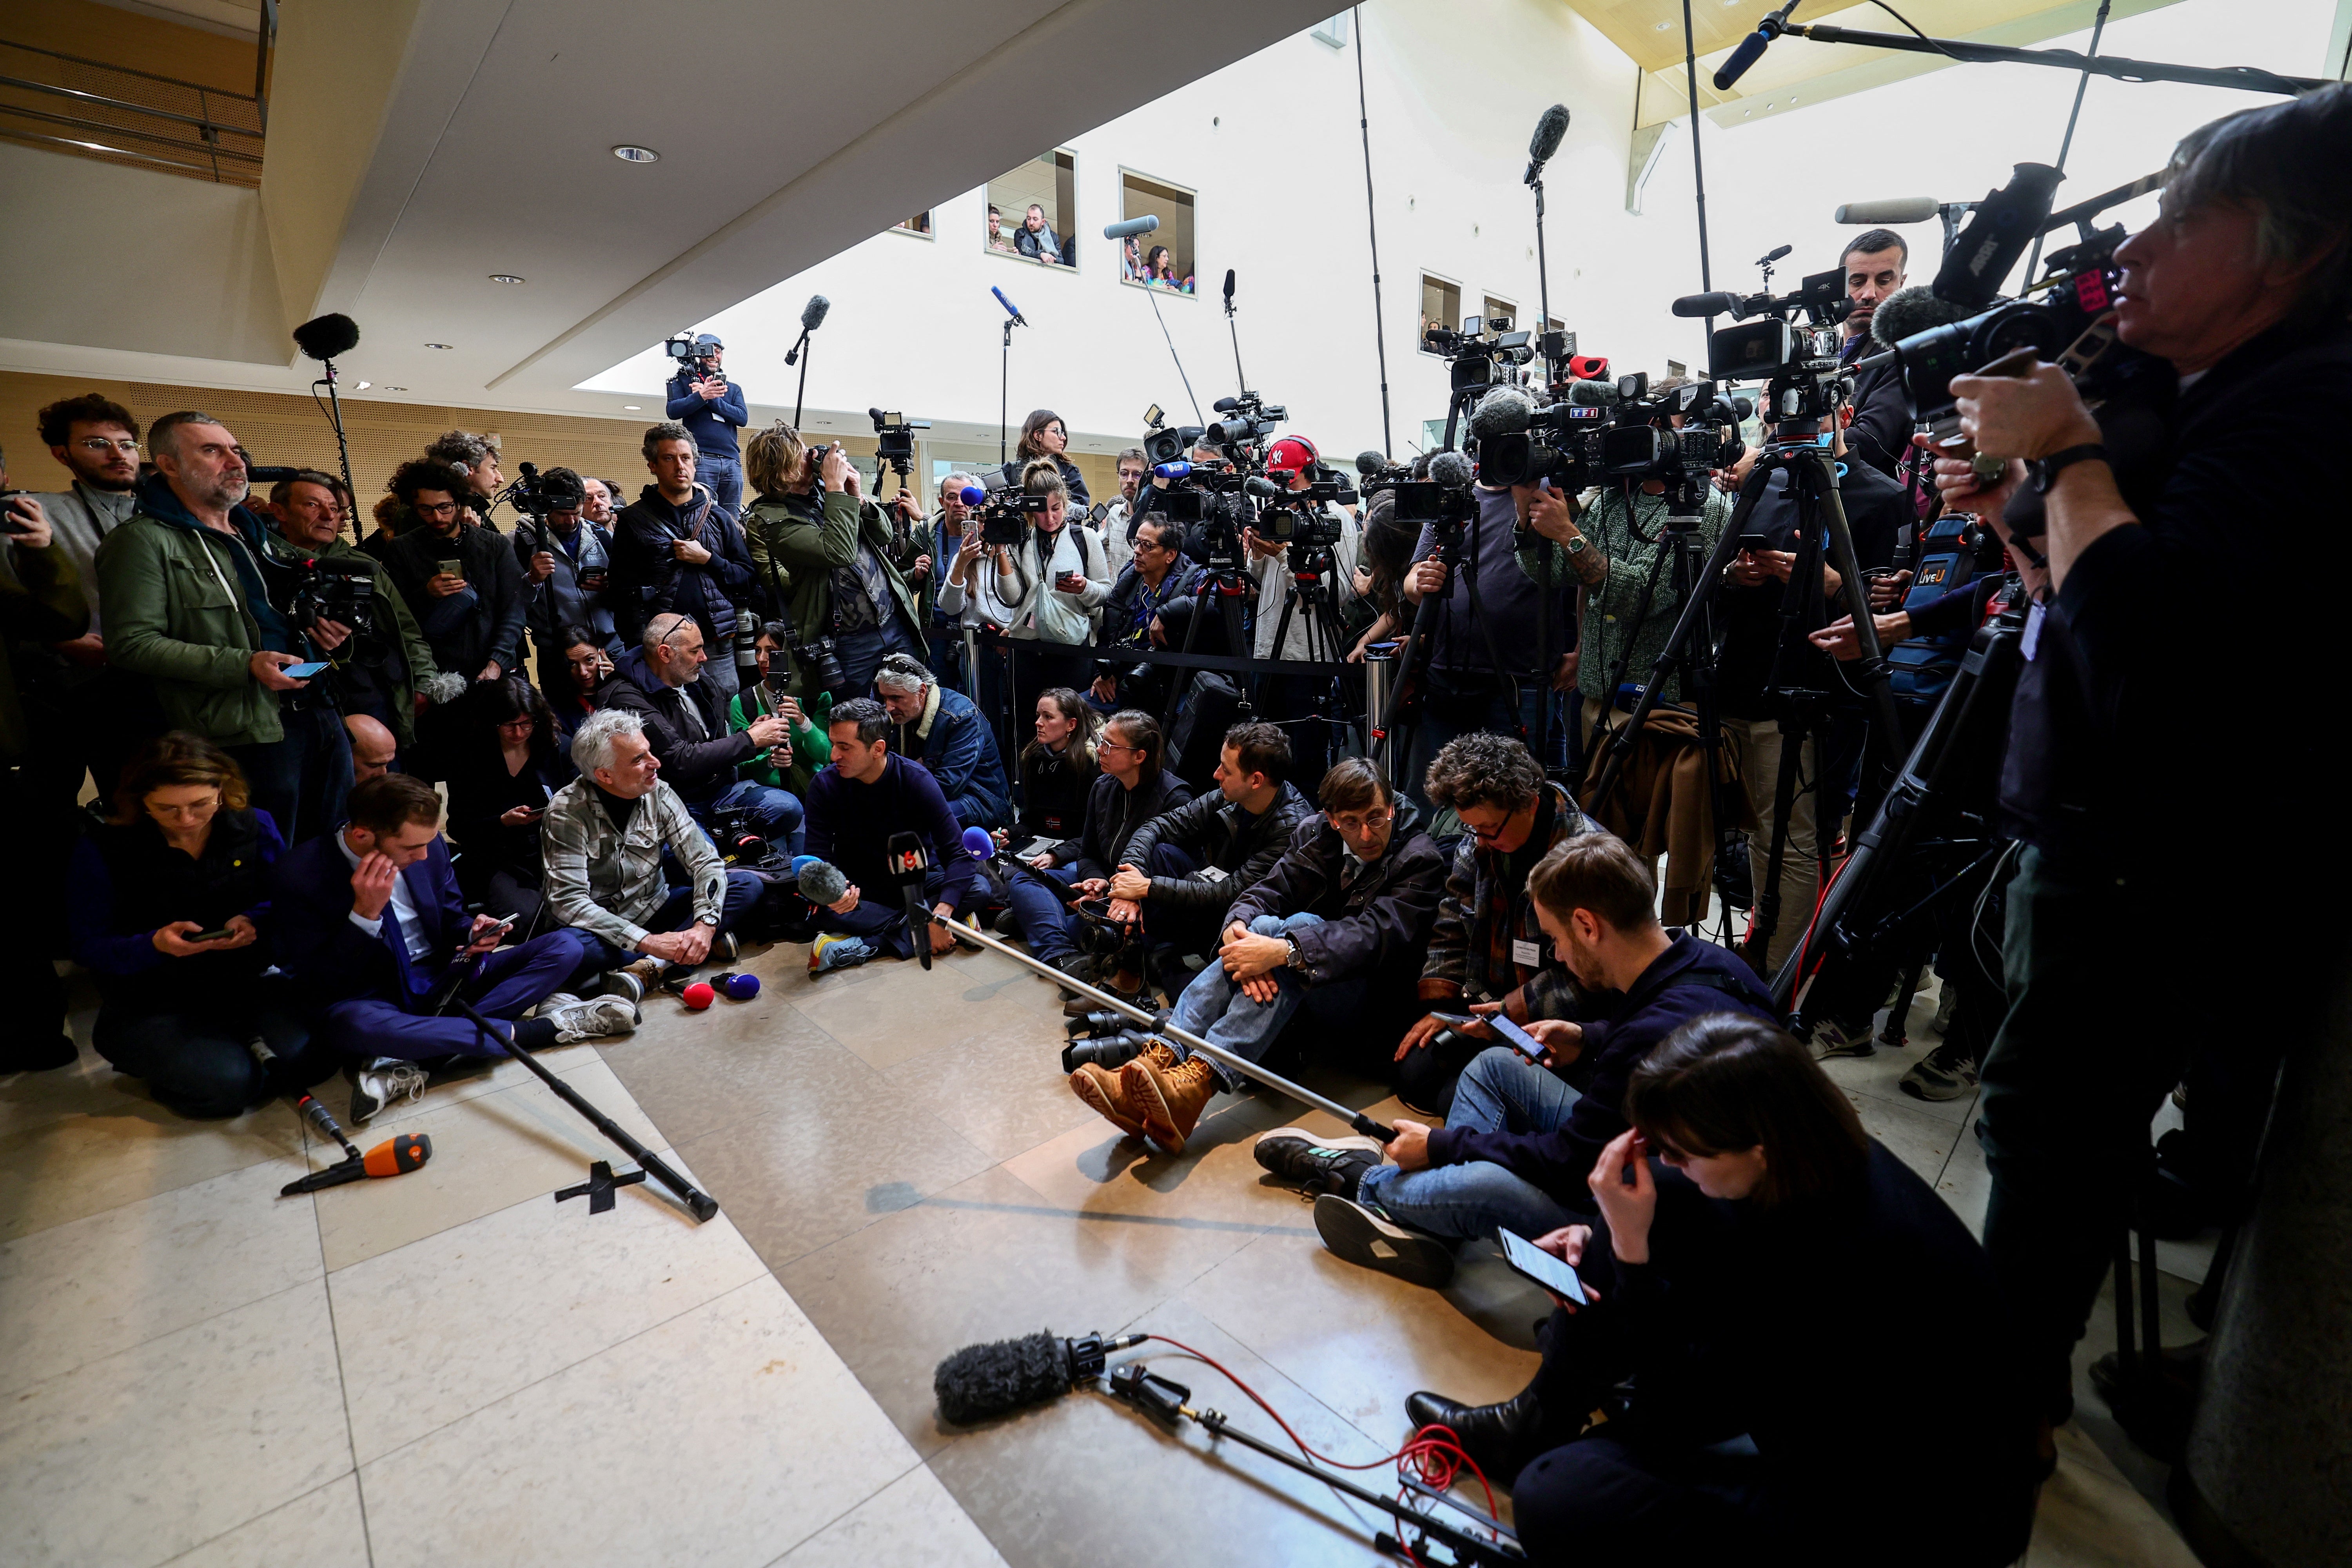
119,1147
840,1147
1880,1077
992,1070
722,1438
79,1292
910,1523
488,1152
1919,1140
1357,1340
450,1323
319,1530
984,1260
995,975
2090,1517
1093,1169
151,1452
901,1009
693,1082
30,1099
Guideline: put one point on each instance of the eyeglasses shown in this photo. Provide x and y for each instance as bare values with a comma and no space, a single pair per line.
524,721
440,509
1364,824
100,444
1115,746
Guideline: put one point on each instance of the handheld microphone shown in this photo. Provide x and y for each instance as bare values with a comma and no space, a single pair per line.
1751,47
1896,209
909,859
1715,304
980,1381
979,843
1171,470
1546,141
813,313
1010,308
819,883
1586,369
1505,411
1451,470
971,495
1131,227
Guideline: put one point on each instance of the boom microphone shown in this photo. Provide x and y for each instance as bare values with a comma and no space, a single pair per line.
1546,141
1895,209
821,882
1593,393
1751,47
1716,305
1010,308
813,313
1505,411
1130,228
981,1381
1908,311
1451,469
326,337
1229,285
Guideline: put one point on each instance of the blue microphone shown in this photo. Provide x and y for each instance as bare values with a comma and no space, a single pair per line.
1751,47
1010,308
1171,471
971,495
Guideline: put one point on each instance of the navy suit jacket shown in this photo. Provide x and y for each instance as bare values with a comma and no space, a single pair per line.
332,960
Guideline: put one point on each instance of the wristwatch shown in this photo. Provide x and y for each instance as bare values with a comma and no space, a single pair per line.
1578,545
2045,471
1296,960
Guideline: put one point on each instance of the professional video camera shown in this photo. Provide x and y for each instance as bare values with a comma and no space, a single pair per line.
1486,351
1005,510
1794,347
1249,420
1164,443
1634,444
686,348
339,590
1303,517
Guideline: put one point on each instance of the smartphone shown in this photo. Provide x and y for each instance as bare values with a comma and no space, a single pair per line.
1518,1038
9,519
1752,543
452,569
1071,583
305,671
1533,1262
214,935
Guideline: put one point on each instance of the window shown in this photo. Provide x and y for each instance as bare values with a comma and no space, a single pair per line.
1440,306
1162,259
1033,211
1501,310
921,224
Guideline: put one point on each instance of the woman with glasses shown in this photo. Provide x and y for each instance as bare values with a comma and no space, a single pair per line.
507,767
1042,435
1043,592
167,905
586,667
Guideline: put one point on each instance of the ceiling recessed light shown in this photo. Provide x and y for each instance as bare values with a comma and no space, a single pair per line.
504,277
629,408
392,389
627,153
437,345
364,386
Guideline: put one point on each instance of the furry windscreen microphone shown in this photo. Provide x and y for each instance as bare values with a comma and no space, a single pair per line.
1908,311
324,337
1451,469
1505,411
820,883
1593,393
1369,462
1546,141
813,313
981,1381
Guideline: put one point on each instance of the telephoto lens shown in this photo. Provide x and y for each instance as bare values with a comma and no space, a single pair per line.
1106,1051
1096,1023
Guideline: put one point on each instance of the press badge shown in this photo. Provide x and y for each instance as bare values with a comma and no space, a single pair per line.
2032,638
1526,953
1213,873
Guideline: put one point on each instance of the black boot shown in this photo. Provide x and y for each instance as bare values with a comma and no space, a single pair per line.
1500,1437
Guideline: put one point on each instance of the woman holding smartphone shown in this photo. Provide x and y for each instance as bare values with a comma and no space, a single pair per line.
505,768
166,905
1043,591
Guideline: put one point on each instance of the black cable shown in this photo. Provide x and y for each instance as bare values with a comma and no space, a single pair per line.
1936,43
1371,227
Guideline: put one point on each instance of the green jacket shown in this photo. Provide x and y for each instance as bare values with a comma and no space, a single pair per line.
397,626
797,547
40,603
175,611
1611,606
811,746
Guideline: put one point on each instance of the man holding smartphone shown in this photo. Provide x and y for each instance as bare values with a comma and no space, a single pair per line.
1521,1138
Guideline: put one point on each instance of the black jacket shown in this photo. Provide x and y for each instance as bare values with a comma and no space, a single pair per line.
1218,834
699,770
1875,509
1054,793
1114,812
1376,917
650,579
494,630
1119,611
1079,500
1881,431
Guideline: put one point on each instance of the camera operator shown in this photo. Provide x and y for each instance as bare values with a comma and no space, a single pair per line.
460,578
1486,945
947,734
940,539
821,553
712,409
1756,587
664,681
1464,689
1874,265
1336,929
2242,285
567,564
1043,591
1116,520
186,595
1043,436
1156,575
1293,699
792,764
1133,788
476,458
677,550
385,666
855,805
1182,870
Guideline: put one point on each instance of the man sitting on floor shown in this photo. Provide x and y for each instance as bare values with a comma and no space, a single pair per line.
863,796
1344,913
369,922
944,732
1521,1139
602,840
665,683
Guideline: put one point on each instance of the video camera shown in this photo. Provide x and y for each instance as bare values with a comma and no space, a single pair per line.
1635,446
1484,346
339,590
1302,516
1249,420
1165,443
894,440
1005,510
686,348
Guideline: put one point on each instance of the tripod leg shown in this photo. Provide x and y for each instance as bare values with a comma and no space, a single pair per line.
1785,787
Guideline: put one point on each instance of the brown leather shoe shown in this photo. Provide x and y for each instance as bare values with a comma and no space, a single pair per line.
1106,1096
1168,1100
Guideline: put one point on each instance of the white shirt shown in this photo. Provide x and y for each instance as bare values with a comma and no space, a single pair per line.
412,925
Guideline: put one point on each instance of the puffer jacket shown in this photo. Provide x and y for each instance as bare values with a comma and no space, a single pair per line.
1376,915
1218,834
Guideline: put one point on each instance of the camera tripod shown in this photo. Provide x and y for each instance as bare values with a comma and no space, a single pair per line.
1313,588
1413,655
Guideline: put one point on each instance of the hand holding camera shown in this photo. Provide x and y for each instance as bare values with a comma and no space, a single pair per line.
22,519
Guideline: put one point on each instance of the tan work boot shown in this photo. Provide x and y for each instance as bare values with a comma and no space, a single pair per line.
1106,1096
1168,1100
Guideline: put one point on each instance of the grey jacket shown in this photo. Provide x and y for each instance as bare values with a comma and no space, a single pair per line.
79,518
608,881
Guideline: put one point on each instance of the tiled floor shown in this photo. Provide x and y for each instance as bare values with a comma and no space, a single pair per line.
450,1368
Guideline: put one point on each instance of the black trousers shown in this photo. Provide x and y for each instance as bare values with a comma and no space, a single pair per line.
1606,1498
192,1049
32,887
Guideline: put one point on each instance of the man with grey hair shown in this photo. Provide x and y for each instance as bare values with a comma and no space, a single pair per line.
602,840
186,604
678,549
665,683
943,730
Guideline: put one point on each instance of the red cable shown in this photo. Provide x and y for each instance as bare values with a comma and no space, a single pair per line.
1436,1461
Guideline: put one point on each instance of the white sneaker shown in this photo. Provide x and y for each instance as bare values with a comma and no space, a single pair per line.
1832,1040
380,1080
548,1006
591,1020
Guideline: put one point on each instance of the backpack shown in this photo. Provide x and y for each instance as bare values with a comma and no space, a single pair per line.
1921,668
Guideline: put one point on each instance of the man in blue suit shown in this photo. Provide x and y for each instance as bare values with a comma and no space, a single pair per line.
369,922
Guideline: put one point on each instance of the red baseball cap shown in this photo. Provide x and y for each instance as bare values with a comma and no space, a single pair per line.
1290,454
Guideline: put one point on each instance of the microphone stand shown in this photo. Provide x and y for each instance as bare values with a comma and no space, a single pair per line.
802,393
343,446
1004,393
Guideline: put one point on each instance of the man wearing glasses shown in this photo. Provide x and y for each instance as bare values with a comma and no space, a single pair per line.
78,706
1337,928
462,582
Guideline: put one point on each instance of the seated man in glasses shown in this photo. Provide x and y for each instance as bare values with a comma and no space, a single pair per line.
1337,928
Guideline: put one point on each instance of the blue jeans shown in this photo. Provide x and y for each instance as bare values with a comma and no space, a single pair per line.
1500,1091
722,474
744,889
776,813
1215,1007
1039,918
